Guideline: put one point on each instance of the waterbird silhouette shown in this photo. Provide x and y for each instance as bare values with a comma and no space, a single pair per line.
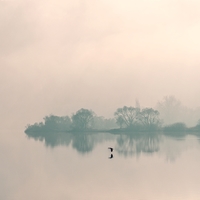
111,156
111,149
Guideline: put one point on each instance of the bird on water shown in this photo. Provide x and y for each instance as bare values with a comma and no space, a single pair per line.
111,149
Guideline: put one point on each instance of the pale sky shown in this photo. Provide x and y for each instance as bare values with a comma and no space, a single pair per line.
58,56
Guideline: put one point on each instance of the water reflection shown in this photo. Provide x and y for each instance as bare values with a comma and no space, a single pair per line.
127,144
82,142
111,156
30,170
176,135
135,144
52,139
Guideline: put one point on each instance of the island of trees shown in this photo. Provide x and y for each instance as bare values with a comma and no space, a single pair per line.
126,119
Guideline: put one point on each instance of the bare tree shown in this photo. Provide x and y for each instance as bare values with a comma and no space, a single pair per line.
170,109
149,117
126,116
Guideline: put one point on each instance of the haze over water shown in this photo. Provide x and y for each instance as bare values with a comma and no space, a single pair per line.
59,56
167,168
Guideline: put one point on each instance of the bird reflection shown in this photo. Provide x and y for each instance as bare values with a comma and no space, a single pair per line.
111,156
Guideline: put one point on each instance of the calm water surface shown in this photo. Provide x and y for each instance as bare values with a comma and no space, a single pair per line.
76,167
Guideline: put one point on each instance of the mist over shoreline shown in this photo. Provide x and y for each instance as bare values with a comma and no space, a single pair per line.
59,56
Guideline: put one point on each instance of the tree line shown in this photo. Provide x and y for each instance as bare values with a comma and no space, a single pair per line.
82,120
169,115
125,119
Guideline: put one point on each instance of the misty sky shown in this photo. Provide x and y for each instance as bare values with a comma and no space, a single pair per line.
57,56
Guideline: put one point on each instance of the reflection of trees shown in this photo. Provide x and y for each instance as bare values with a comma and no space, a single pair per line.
82,142
127,144
174,146
176,135
52,139
86,142
135,144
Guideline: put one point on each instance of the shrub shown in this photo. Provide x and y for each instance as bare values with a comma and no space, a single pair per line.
176,127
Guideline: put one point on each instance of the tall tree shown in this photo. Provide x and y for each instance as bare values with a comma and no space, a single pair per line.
149,117
126,116
83,119
170,109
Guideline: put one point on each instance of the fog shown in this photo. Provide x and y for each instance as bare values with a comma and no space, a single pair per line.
58,56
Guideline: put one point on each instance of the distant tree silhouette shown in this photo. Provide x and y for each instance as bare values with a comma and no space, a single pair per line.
126,116
83,119
170,109
176,127
101,123
136,119
53,122
35,127
149,118
197,127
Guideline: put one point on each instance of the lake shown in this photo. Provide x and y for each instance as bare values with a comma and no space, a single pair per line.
77,166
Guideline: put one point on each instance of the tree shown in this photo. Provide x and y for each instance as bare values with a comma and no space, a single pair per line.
83,119
149,117
57,123
102,123
176,127
198,125
170,109
126,116
51,121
